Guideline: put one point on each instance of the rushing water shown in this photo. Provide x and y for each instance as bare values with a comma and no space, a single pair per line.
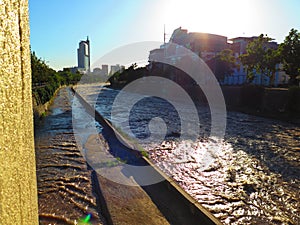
65,185
254,179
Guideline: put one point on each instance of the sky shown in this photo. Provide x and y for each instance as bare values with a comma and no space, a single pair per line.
57,26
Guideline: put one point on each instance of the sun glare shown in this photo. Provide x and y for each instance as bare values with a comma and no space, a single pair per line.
212,16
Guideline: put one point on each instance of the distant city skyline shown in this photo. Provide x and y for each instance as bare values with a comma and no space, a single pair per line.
58,26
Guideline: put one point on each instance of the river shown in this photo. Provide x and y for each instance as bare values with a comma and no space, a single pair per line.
254,179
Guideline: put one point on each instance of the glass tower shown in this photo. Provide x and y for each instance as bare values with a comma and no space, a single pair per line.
83,55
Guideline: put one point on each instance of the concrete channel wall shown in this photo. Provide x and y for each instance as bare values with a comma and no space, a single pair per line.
277,103
173,197
18,189
258,98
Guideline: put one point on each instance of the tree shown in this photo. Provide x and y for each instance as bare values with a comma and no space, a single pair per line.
290,54
222,64
41,72
46,80
271,59
124,77
260,58
227,59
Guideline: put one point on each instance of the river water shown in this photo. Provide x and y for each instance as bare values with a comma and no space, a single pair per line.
253,179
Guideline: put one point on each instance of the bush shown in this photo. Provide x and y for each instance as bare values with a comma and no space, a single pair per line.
47,80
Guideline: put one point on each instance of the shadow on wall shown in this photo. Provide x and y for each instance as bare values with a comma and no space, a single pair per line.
274,102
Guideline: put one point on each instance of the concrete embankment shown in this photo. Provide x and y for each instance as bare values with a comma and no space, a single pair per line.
65,188
137,204
276,103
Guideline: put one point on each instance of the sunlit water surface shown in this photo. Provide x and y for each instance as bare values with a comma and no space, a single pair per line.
254,177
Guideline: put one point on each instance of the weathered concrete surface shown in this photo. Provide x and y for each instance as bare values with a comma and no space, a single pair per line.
277,103
18,192
124,203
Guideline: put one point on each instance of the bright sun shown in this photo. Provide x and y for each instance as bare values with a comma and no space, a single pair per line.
211,16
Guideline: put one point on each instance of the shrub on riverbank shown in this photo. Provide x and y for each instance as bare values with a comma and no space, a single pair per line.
45,80
122,78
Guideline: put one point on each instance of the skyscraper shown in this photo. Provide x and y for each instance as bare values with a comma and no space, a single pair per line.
105,70
83,55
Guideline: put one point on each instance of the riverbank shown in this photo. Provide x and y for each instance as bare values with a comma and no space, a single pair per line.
39,109
65,185
275,103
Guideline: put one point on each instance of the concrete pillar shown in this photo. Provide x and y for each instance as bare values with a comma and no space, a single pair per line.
18,190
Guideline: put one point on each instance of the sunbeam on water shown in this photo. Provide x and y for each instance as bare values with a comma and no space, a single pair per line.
253,179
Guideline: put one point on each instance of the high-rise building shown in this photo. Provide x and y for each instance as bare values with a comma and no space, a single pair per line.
83,55
114,69
105,70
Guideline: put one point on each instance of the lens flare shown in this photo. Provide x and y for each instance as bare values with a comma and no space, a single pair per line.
85,220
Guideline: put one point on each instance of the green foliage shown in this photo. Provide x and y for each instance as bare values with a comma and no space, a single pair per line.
92,78
45,81
223,64
121,160
271,59
145,154
43,114
41,72
119,79
260,59
290,53
67,77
